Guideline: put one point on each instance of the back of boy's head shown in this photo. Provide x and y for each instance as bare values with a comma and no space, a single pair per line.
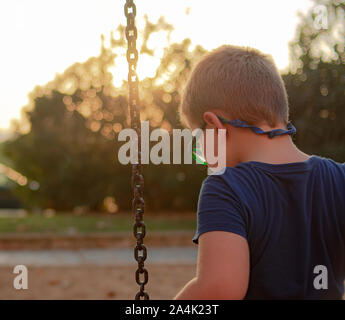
242,82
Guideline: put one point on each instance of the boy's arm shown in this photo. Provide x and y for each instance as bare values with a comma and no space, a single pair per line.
222,269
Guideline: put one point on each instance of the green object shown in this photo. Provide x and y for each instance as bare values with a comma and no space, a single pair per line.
198,158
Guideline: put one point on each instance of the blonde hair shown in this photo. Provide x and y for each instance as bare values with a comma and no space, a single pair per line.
242,81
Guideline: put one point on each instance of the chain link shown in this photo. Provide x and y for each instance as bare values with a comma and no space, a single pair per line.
139,230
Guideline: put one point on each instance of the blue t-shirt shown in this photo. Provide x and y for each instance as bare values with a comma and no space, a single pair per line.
293,217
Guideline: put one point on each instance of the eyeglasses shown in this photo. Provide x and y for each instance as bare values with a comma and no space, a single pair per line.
199,158
291,130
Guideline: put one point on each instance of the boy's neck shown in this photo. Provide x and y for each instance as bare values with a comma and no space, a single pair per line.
278,150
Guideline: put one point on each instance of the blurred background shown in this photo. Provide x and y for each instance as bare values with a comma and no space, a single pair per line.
65,200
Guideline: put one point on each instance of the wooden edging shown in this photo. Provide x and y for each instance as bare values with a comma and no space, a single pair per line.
39,241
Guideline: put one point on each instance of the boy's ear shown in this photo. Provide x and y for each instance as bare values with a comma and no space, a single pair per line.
212,120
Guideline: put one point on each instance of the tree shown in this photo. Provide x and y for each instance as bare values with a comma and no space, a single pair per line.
67,142
316,82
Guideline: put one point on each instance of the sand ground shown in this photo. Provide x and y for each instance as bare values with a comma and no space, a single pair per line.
95,282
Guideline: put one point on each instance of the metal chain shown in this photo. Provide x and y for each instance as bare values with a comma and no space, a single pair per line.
140,252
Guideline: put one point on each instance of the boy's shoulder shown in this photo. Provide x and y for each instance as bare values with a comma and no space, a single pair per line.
248,173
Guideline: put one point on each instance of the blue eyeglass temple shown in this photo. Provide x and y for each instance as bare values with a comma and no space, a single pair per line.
291,130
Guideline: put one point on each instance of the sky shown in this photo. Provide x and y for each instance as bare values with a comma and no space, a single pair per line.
40,38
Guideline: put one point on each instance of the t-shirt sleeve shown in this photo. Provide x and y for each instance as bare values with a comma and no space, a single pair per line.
219,209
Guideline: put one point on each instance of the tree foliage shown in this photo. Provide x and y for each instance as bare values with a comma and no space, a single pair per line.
71,145
68,145
316,83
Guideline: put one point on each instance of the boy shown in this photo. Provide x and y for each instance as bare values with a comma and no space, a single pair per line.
272,225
